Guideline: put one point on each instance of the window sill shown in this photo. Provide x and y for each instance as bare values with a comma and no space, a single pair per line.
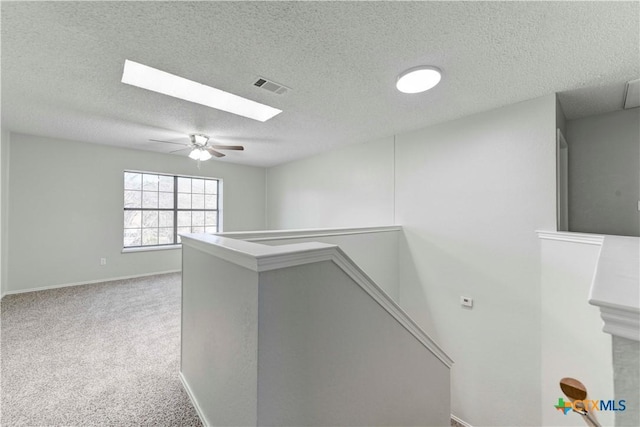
151,248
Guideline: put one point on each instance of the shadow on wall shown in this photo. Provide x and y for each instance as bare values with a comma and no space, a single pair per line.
604,173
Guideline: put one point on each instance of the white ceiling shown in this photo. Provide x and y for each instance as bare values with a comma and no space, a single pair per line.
62,63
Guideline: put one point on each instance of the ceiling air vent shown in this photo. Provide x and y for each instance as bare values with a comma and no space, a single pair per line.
271,86
632,94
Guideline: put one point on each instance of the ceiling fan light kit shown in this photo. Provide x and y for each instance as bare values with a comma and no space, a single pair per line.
155,80
200,154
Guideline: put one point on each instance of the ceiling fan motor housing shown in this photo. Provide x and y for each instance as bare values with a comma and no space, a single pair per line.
198,139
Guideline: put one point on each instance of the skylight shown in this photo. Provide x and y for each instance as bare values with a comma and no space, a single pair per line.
149,78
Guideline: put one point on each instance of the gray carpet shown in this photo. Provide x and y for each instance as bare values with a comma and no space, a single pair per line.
97,355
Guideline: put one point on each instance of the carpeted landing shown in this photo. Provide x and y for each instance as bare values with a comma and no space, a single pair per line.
97,355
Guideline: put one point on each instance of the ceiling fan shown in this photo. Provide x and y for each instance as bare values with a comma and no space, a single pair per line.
201,148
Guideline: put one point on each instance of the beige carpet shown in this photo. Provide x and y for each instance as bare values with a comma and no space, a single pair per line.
97,355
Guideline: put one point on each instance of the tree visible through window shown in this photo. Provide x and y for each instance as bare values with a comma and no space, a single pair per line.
157,208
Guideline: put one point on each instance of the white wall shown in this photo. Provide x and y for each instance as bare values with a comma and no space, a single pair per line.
219,340
604,173
349,187
65,209
4,171
573,344
626,365
330,355
469,195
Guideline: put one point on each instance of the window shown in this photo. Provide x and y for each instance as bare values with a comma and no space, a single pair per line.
159,207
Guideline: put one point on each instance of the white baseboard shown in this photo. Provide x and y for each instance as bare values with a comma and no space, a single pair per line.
193,400
89,282
460,421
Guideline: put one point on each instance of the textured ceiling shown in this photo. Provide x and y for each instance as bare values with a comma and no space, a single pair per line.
62,63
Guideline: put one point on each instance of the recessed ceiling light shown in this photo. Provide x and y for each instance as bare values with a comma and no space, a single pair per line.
149,78
418,79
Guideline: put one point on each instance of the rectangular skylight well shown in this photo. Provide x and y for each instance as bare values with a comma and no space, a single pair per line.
149,78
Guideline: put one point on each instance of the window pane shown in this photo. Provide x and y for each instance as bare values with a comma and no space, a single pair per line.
166,200
211,218
197,218
132,181
132,219
149,200
211,230
211,202
132,199
150,182
132,237
149,236
197,229
184,185
149,219
197,185
184,219
165,236
184,201
166,183
211,186
197,201
166,219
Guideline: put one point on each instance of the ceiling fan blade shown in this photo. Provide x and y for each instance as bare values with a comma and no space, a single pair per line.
179,149
169,142
228,147
214,152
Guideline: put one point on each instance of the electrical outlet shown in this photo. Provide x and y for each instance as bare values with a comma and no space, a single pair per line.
466,302
103,261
